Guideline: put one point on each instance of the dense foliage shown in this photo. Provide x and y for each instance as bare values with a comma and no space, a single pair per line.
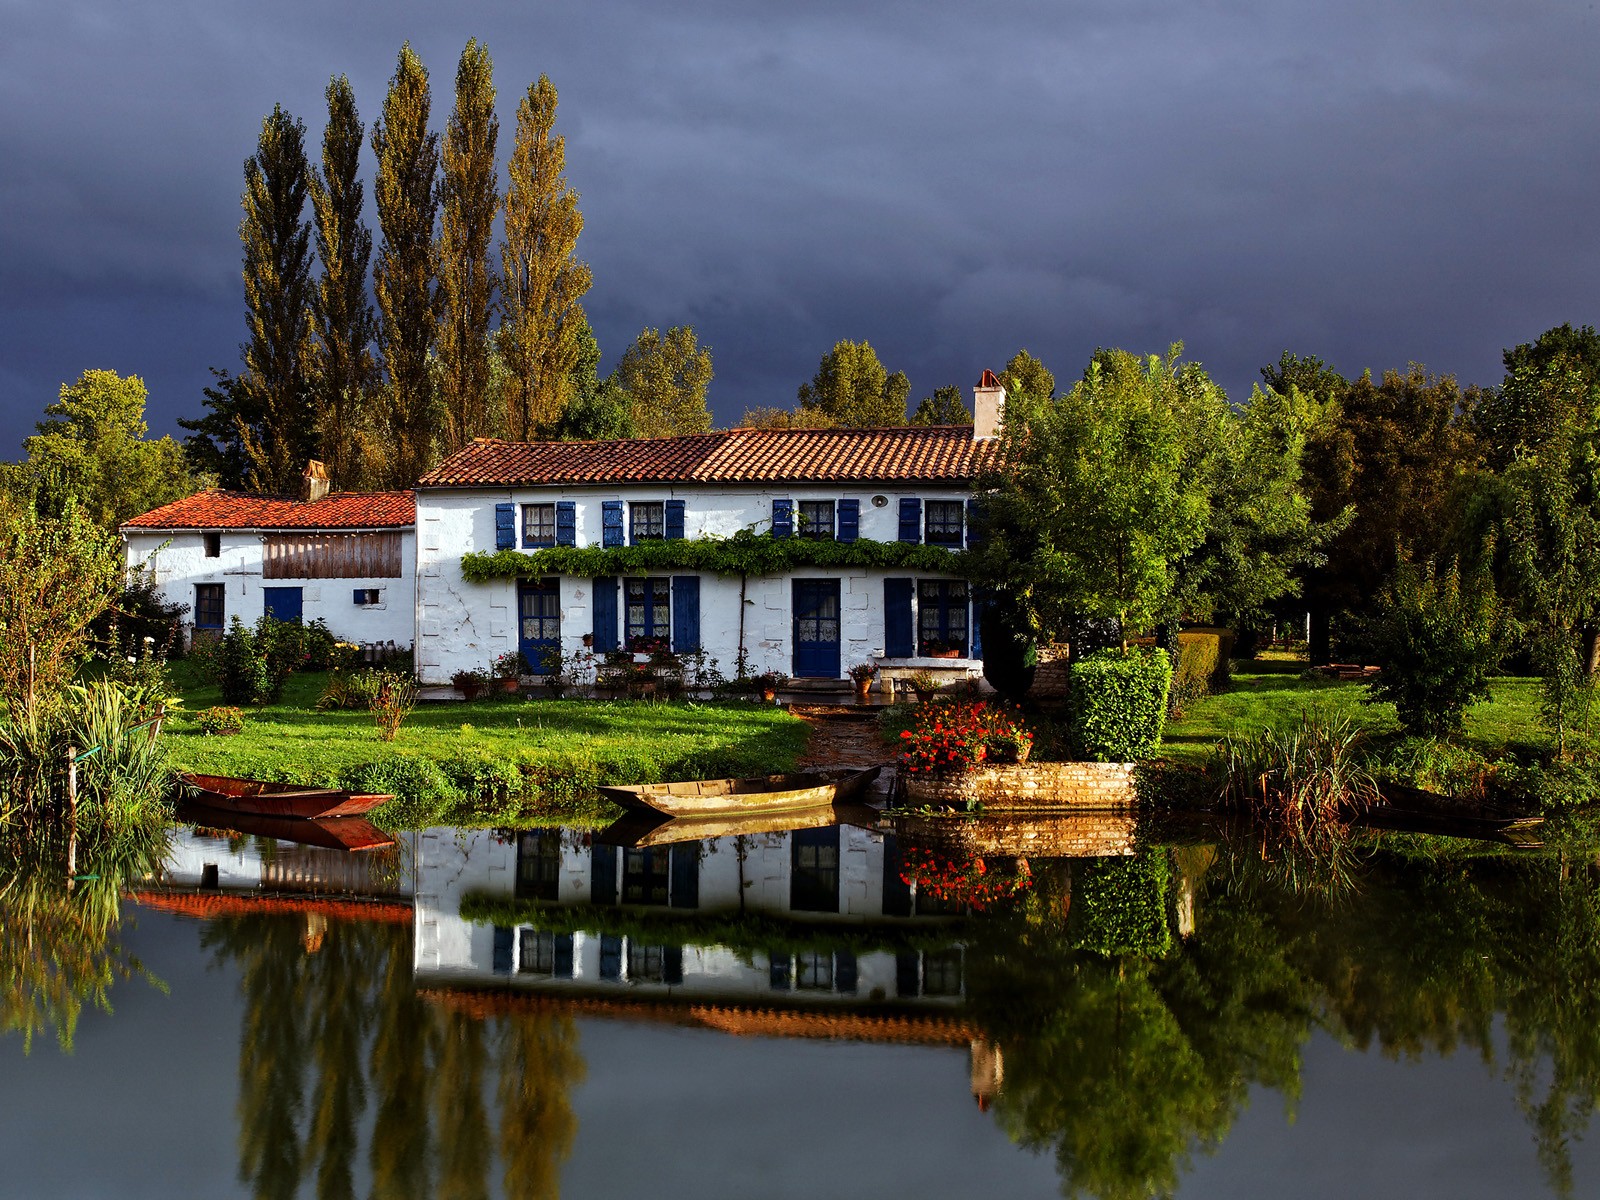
1119,704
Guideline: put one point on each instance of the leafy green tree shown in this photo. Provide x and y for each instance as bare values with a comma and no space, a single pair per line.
345,371
665,376
279,355
215,445
1027,379
469,201
944,407
408,164
1099,499
539,1064
92,449
1437,637
542,282
762,417
853,390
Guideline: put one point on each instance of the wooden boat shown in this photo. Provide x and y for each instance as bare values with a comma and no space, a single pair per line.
276,799
1414,810
738,797
651,828
334,833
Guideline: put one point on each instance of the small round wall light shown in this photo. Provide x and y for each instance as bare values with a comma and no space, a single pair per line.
879,501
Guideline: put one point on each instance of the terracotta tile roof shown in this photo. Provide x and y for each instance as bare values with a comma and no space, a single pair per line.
905,453
238,510
211,906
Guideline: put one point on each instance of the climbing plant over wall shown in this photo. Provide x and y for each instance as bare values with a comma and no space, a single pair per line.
742,554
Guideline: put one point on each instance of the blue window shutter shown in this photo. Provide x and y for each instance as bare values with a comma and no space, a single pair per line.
974,509
910,519
908,974
603,876
849,520
566,523
672,964
685,613
980,601
844,972
778,972
504,941
505,526
610,955
611,522
899,633
605,613
674,519
783,518
562,959
685,871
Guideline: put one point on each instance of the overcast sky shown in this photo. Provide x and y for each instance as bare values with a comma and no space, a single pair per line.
1371,182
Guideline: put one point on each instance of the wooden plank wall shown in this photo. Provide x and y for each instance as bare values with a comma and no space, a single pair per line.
332,556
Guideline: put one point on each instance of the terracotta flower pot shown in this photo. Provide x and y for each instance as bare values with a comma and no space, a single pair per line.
863,690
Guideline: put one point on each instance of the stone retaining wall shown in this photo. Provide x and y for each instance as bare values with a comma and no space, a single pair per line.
1082,834
1054,786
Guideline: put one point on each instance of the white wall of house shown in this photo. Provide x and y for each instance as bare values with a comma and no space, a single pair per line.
180,562
463,626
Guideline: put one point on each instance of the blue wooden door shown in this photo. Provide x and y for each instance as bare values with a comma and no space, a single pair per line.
816,629
283,603
538,620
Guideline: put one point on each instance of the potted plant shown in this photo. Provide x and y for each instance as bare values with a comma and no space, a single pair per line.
508,669
940,648
861,674
924,683
768,683
470,683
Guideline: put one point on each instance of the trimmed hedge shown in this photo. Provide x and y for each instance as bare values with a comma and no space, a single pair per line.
1199,657
1119,704
1119,906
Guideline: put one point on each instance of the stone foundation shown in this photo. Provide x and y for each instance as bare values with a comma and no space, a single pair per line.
1053,786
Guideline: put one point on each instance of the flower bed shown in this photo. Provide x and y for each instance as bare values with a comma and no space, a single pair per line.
954,737
947,878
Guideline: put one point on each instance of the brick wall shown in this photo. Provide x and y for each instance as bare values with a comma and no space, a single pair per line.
1052,786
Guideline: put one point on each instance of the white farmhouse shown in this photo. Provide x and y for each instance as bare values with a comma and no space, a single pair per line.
907,484
348,558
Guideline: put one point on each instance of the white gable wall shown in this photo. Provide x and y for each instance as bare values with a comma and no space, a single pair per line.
463,626
181,562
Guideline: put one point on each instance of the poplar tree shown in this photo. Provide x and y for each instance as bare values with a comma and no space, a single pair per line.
408,161
468,203
344,322
278,298
541,280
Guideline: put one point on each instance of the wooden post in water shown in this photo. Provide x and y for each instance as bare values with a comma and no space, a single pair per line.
72,815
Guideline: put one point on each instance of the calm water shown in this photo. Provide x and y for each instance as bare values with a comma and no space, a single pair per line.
473,1013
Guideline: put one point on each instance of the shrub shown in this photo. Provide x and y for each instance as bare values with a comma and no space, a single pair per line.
1010,656
348,690
140,621
219,719
1198,655
393,698
242,669
1119,906
1119,704
1436,637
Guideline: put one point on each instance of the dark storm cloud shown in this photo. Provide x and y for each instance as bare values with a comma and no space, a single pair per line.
1371,182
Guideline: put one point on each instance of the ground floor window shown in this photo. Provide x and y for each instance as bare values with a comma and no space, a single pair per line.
208,605
941,617
644,876
649,614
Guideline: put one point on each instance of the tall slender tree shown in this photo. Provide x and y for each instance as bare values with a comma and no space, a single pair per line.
542,281
278,298
468,202
345,369
408,163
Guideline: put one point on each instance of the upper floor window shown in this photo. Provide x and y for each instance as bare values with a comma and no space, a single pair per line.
816,519
648,519
538,524
213,544
944,522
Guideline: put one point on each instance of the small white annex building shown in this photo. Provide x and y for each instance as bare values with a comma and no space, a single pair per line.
906,484
348,558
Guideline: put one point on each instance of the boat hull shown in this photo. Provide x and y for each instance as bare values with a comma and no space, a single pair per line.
261,798
741,797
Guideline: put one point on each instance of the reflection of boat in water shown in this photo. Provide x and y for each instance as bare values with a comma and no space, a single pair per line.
740,797
334,833
650,828
263,798
1412,810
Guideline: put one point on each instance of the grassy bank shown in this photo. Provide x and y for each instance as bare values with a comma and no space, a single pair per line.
1504,725
491,760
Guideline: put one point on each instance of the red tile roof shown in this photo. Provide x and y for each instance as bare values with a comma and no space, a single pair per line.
237,510
905,453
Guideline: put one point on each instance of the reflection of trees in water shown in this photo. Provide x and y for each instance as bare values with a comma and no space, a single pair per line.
1122,1066
61,950
331,1012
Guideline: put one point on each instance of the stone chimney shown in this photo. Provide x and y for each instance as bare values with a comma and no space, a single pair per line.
314,483
988,407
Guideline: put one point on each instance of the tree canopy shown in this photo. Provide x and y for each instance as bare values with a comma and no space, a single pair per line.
852,388
665,376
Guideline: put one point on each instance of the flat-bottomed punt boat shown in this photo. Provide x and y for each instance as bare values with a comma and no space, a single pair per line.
742,797
266,799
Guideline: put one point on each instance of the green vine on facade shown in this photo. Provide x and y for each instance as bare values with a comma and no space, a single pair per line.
744,553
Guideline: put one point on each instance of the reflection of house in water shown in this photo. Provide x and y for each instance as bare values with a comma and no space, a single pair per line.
801,918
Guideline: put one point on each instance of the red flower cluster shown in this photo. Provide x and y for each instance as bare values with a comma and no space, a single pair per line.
969,881
958,735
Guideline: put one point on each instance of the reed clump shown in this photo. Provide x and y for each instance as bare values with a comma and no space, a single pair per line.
1311,776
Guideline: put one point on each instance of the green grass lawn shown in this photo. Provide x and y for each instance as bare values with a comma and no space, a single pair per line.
490,760
1273,695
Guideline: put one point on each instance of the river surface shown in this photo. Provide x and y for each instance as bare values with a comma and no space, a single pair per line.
991,1008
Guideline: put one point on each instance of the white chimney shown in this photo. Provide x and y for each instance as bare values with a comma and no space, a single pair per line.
988,407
